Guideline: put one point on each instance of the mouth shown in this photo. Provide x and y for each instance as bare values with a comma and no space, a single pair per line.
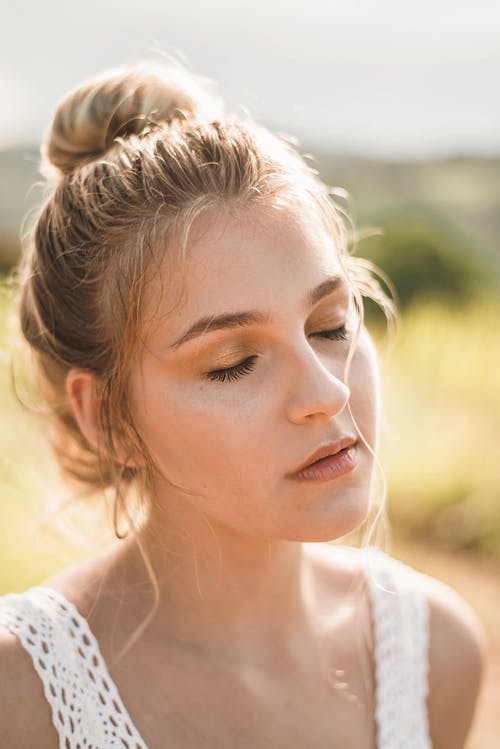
324,451
330,455
328,463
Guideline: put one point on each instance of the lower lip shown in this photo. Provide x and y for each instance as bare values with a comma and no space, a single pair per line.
329,468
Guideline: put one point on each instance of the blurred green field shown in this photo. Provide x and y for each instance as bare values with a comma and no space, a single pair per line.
441,447
440,443
32,543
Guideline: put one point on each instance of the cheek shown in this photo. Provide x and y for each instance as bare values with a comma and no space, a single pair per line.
204,435
364,383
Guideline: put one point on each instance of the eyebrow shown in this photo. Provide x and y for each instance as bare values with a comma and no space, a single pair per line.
228,320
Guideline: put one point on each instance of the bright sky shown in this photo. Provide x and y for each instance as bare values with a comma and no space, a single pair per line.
385,77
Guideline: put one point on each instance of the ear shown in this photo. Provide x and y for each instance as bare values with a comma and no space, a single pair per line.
81,389
82,393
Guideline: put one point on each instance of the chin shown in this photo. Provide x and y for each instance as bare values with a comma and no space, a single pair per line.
335,519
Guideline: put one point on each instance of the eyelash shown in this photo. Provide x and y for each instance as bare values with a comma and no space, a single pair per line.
247,365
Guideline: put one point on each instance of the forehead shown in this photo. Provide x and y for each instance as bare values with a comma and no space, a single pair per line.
252,259
244,258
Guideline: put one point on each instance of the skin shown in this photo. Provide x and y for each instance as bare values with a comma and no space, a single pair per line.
255,617
237,535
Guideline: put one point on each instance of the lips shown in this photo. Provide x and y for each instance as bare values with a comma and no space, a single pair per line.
324,451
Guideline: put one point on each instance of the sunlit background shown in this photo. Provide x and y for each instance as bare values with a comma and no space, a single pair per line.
398,103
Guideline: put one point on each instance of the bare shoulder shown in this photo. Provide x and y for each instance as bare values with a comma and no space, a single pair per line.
457,646
25,715
457,651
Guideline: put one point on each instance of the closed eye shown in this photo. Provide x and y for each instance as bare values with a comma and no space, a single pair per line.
233,373
248,364
339,334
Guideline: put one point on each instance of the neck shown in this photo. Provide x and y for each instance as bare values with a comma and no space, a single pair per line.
222,591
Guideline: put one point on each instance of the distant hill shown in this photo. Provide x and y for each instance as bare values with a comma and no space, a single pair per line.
18,173
464,192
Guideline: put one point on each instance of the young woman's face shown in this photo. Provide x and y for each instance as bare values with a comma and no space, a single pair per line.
229,412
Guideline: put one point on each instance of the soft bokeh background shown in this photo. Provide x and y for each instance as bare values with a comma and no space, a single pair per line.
398,104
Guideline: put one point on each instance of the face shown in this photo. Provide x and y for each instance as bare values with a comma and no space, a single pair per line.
229,413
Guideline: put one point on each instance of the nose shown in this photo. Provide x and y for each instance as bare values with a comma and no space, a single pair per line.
315,392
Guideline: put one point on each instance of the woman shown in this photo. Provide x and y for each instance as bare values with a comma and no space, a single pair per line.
197,326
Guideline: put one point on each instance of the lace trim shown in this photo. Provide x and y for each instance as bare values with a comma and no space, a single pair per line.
401,629
87,710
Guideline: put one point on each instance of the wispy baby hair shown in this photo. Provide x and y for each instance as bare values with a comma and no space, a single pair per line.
133,158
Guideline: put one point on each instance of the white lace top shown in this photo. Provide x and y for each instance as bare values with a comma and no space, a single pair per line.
88,712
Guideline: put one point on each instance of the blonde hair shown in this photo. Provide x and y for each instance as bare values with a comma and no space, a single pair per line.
133,157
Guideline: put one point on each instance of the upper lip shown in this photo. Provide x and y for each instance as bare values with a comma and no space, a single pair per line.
323,451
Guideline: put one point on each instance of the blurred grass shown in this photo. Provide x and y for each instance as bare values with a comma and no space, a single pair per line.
31,546
441,448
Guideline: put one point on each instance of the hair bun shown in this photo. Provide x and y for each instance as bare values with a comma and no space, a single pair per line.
121,102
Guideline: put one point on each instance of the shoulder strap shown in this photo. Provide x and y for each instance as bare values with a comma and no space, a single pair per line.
401,632
87,710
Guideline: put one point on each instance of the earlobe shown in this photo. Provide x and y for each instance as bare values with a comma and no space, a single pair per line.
81,392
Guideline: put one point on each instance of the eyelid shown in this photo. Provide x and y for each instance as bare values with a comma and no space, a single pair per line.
227,356
234,372
339,333
247,365
330,320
